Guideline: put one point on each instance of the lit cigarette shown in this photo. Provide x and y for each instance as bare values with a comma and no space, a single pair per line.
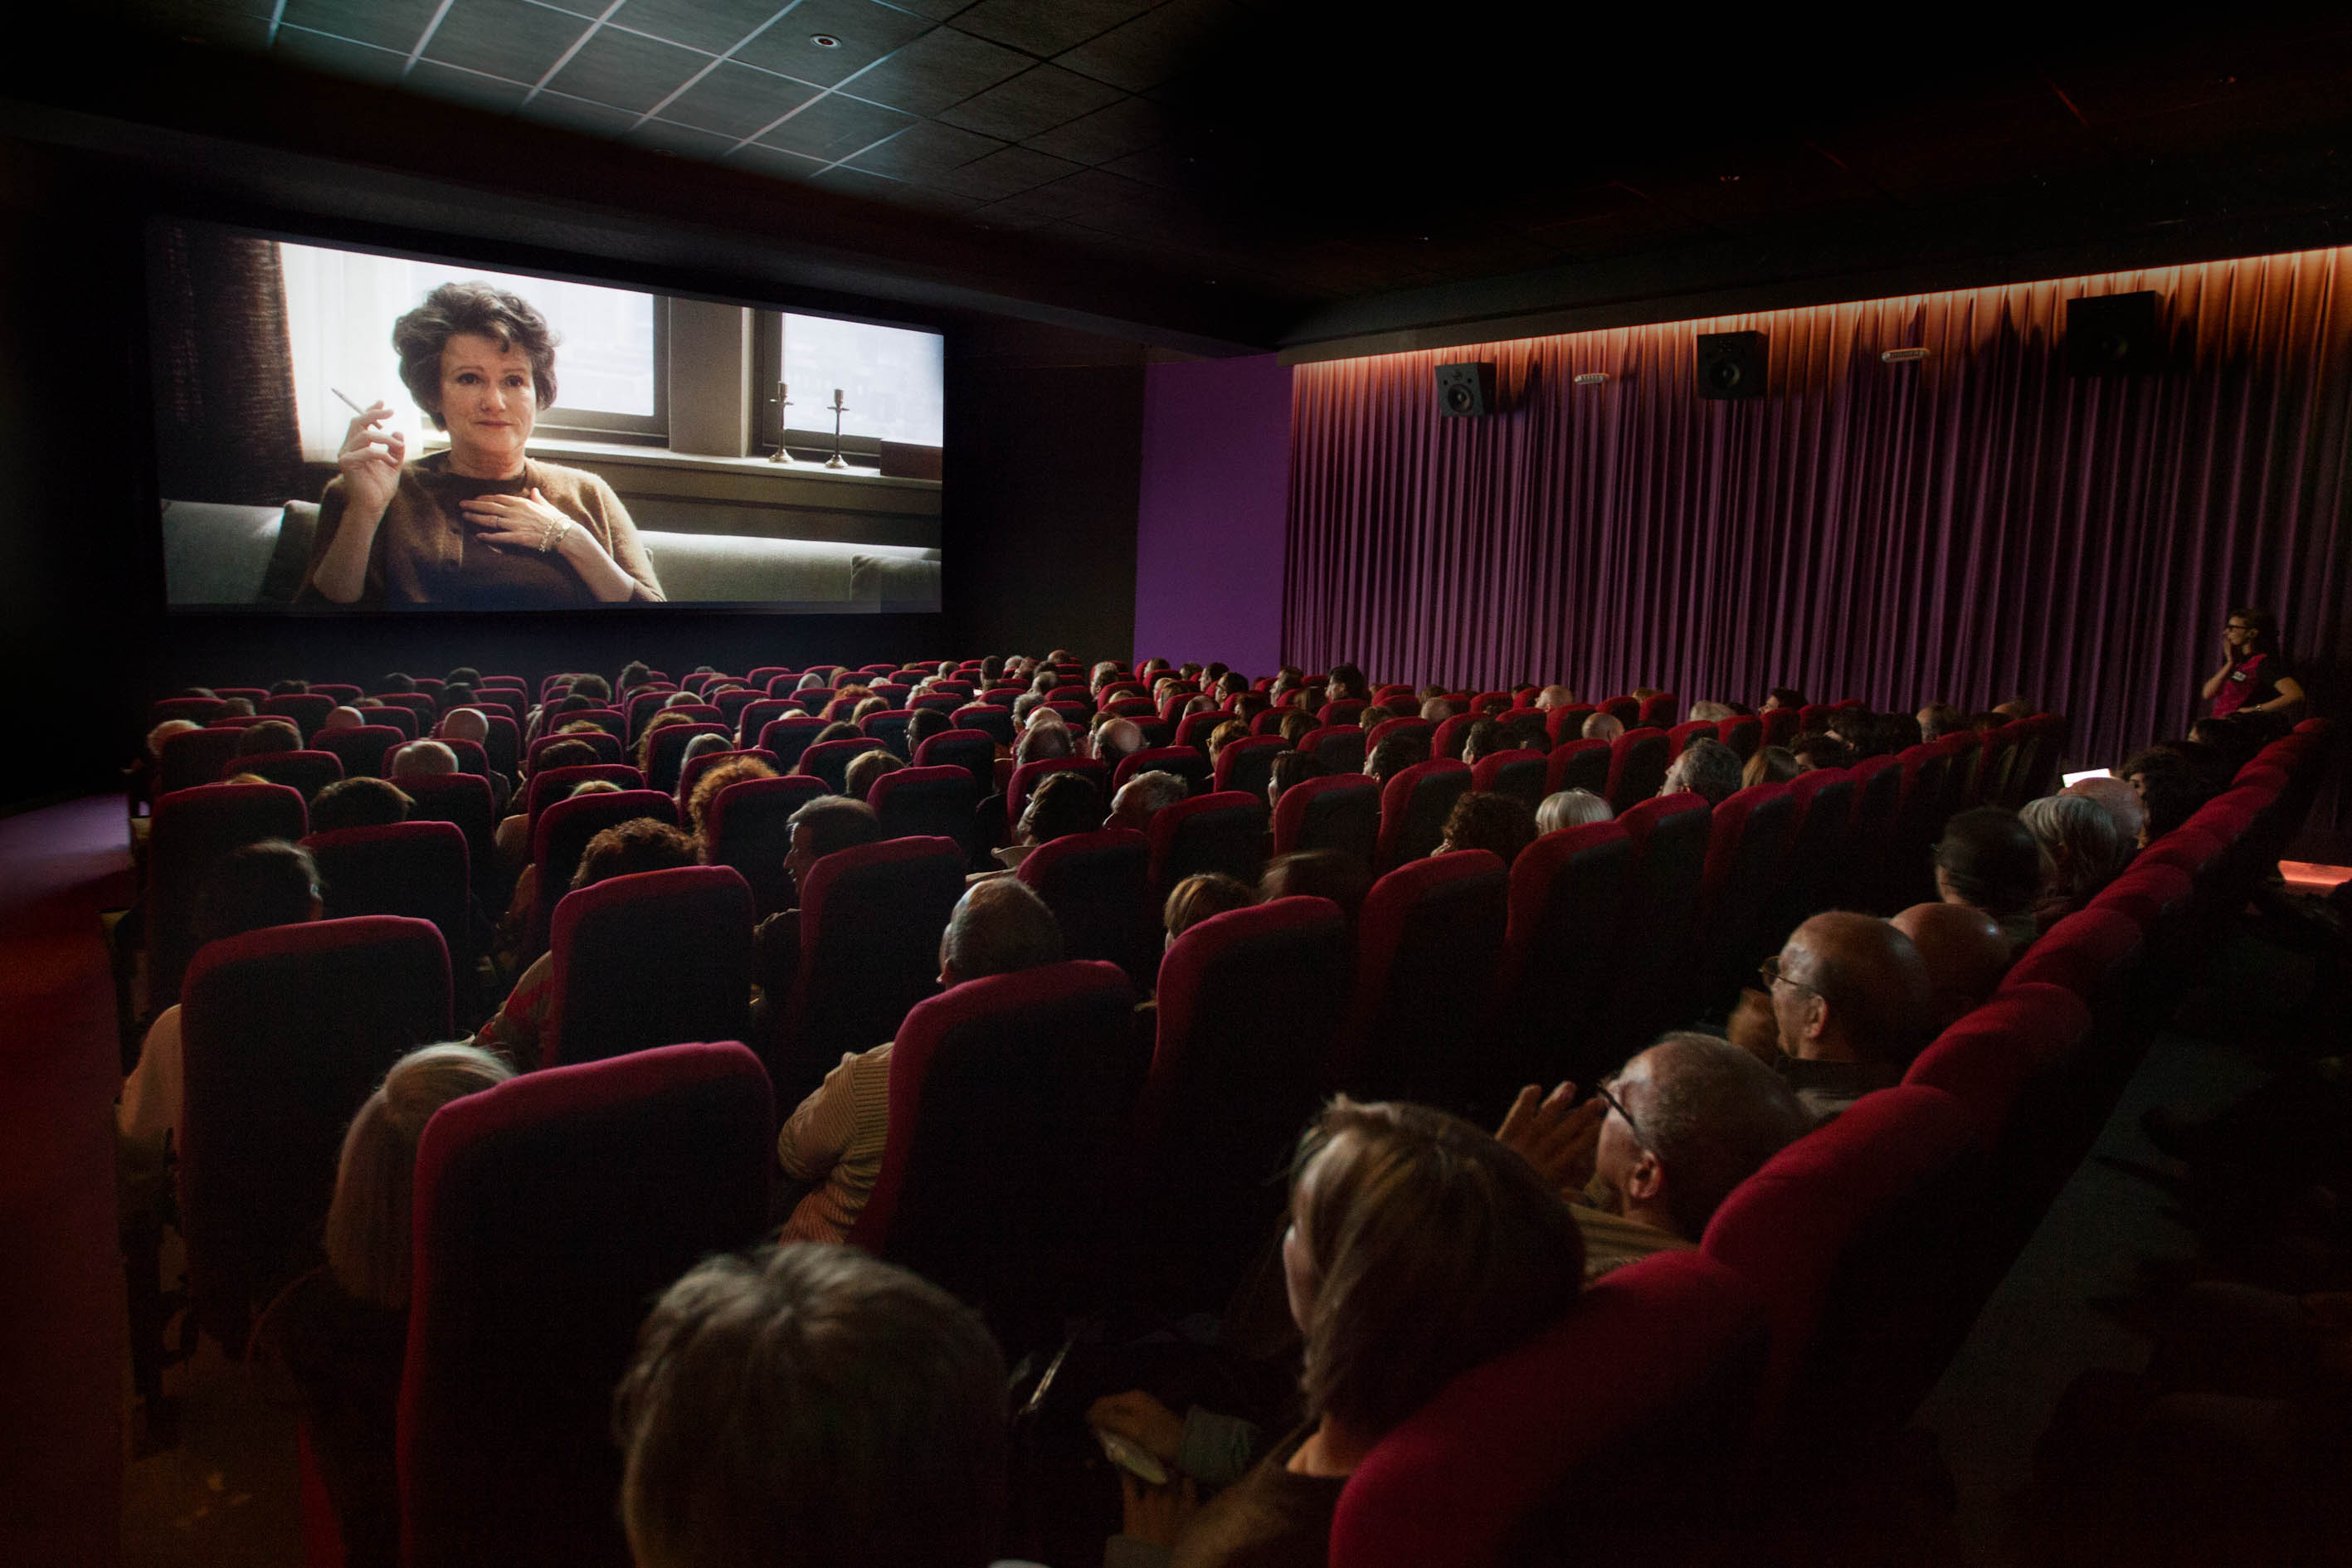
347,402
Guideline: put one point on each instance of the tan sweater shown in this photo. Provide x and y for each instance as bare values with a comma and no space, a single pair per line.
424,552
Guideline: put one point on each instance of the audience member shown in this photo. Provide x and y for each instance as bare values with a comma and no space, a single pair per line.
164,732
1770,765
1988,860
1782,697
1045,740
717,777
1570,808
1488,820
926,724
1552,697
1143,796
270,735
641,844
662,720
1599,726
2082,852
1938,720
1395,755
1483,740
1965,953
1224,735
1438,709
857,779
465,724
358,802
832,1142
271,883
1418,1247
824,826
1708,769
1297,725
837,730
342,1330
1647,1160
1059,805
1332,874
1710,712
422,759
810,1404
1116,739
1293,767
1817,749
2119,801
1196,897
1845,1007
342,718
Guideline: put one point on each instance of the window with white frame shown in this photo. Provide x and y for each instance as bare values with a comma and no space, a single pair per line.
892,381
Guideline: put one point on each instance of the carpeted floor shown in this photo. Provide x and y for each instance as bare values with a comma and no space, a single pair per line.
61,1314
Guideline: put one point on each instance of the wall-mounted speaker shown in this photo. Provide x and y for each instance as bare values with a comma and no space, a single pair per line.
2113,334
1465,389
1731,364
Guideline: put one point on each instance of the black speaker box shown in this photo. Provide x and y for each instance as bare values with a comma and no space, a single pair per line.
2113,334
1465,389
1731,364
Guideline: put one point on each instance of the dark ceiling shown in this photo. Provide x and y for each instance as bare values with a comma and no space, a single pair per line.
1417,171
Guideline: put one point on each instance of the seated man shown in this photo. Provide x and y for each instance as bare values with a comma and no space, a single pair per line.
1552,697
1116,739
1710,712
1965,955
1647,1160
1708,769
343,718
1144,797
2120,802
1845,1007
358,802
422,759
835,1139
1602,727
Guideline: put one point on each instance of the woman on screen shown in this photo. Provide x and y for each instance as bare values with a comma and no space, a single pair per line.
481,525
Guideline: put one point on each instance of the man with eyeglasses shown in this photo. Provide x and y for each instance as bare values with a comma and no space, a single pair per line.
1844,1007
1645,1162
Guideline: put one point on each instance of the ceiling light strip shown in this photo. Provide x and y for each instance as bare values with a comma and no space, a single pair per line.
423,38
277,15
564,59
688,84
828,92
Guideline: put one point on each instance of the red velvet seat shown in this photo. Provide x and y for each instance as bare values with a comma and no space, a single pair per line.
1183,761
606,747
1099,885
1268,721
1217,832
927,803
608,719
1814,715
749,825
472,757
195,710
194,757
1618,1429
560,837
341,694
1520,774
1341,749
504,743
1429,947
970,749
991,719
1251,1003
1194,729
1658,712
757,714
1985,1060
1410,727
361,749
286,1031
306,708
1012,1099
1744,735
666,752
1337,811
550,786
404,720
1637,768
1568,892
649,959
1746,859
829,760
788,737
890,727
308,772
1656,981
1344,711
944,702
1414,805
1877,806
868,950
192,828
422,870
1579,764
1626,710
426,707
1780,725
1565,722
1248,766
1029,775
549,1213
691,773
1820,852
1682,735
1446,739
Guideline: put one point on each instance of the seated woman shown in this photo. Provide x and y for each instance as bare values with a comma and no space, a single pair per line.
2083,851
1988,860
733,771
1570,808
480,526
1062,804
1418,1247
342,1330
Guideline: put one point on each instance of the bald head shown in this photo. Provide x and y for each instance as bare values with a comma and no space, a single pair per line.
2119,800
1964,951
423,760
466,724
1552,697
1853,988
1602,727
1118,739
343,718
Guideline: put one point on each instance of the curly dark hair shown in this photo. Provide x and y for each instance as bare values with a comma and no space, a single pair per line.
509,320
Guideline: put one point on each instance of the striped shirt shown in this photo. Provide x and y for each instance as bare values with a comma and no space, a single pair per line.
836,1137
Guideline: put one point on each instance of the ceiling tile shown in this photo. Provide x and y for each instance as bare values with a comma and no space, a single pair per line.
773,161
925,148
1083,190
736,102
864,32
627,70
1002,174
941,67
1037,99
937,10
1112,132
1046,28
857,182
1155,47
835,126
684,141
716,25
578,114
1163,165
387,24
463,86
504,37
239,24
340,57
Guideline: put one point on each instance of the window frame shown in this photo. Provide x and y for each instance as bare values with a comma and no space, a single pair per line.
623,429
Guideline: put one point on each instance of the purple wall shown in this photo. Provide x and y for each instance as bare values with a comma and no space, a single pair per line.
1211,513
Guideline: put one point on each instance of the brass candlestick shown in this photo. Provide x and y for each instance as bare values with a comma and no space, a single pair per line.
839,407
784,423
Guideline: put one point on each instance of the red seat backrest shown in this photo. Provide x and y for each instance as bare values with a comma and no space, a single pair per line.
1429,946
1415,804
748,825
647,959
1337,811
192,830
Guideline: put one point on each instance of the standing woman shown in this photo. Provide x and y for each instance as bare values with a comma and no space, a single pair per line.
2253,677
481,525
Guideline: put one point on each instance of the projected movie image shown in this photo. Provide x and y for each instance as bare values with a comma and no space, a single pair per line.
342,431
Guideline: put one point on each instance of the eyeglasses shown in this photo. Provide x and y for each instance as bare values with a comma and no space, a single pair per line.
1769,971
2237,626
1607,1091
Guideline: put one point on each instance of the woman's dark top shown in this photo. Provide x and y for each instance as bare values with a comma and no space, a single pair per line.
1269,1519
346,1357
